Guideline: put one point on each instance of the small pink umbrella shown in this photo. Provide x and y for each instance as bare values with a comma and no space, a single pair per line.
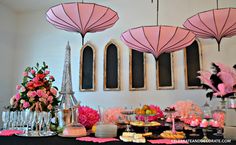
81,17
157,39
215,24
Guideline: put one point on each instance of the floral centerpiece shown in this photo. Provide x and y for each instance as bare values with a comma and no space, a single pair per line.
36,91
221,81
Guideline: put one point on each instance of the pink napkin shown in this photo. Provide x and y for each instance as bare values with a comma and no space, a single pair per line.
10,132
167,141
97,140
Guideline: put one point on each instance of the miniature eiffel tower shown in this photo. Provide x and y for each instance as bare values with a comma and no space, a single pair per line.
66,97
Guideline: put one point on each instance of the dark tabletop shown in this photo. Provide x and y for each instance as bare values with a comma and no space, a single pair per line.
56,140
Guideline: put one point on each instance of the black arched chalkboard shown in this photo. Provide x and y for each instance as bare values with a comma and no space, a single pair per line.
87,67
111,67
165,72
192,58
137,70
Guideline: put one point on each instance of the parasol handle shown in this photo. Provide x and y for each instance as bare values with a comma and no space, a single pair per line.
82,39
218,47
217,4
157,10
218,43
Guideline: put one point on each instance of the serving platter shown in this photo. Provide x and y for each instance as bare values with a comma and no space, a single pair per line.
40,134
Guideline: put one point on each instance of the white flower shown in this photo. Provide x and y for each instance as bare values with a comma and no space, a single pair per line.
12,100
22,101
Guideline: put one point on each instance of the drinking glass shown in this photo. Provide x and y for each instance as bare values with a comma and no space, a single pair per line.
18,121
37,119
27,120
15,122
23,119
40,121
5,119
47,118
11,118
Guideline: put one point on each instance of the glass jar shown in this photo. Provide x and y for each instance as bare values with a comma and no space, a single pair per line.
206,111
232,102
67,102
219,118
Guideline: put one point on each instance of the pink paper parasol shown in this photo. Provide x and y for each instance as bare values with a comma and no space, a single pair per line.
216,24
157,39
81,17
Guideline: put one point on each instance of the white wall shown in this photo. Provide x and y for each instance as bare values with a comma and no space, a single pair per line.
7,46
39,41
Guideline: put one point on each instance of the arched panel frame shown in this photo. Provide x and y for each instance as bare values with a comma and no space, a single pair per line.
131,88
172,87
185,66
89,44
105,88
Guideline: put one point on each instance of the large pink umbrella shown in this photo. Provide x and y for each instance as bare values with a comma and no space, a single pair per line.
216,24
157,39
81,17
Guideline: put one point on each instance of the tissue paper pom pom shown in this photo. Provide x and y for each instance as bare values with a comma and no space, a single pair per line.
158,114
184,108
113,115
88,116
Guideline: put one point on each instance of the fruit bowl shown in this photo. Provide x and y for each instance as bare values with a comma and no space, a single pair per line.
145,110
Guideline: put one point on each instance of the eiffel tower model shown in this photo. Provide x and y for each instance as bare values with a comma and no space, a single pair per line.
67,99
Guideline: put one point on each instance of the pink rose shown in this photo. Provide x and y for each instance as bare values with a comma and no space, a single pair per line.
18,87
38,84
17,96
34,93
25,74
45,95
53,91
26,104
31,94
49,107
22,89
51,77
32,71
36,79
47,72
39,93
30,85
50,99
